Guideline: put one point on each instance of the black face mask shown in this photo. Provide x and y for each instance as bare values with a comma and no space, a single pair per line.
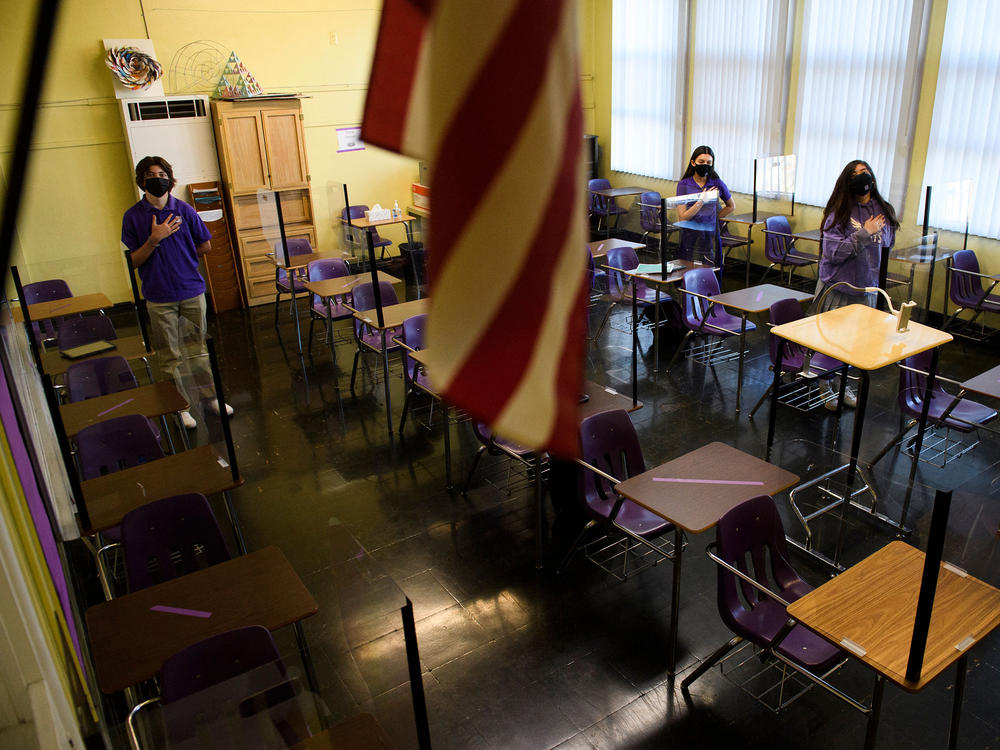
157,186
703,170
861,184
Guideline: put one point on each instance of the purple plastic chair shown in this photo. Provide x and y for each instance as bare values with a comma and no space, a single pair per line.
99,377
239,668
611,454
755,612
413,376
963,415
72,332
168,538
116,444
283,284
358,212
320,270
603,208
110,446
495,445
794,355
45,291
367,337
966,290
701,317
620,284
780,250
649,214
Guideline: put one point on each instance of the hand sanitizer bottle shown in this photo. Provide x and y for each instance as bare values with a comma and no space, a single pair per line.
396,213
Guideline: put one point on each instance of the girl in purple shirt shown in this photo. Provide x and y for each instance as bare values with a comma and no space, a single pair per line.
857,223
700,175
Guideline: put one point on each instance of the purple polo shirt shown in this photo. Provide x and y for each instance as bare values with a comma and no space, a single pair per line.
170,274
708,213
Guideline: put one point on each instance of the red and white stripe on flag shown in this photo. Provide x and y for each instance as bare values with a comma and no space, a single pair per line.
489,93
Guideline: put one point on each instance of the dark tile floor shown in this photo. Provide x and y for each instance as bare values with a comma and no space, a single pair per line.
515,657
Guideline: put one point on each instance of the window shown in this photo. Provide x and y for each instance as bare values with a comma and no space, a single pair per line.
740,84
648,40
858,92
964,141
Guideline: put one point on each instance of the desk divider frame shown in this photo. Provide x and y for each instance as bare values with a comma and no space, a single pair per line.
19,288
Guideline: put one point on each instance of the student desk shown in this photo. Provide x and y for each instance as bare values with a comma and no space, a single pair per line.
59,308
612,194
340,286
108,498
599,250
869,610
148,400
405,219
295,263
677,270
866,339
752,301
130,637
392,317
693,492
129,347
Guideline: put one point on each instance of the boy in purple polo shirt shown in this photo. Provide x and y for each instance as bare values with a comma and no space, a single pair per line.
165,238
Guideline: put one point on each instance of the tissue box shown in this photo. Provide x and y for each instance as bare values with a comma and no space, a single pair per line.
421,196
378,214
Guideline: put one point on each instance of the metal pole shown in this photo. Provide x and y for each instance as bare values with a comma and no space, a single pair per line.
136,300
928,584
663,238
74,479
930,272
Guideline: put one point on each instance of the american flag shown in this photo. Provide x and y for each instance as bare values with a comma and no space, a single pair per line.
489,94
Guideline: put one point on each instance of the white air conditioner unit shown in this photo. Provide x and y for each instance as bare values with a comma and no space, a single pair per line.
178,128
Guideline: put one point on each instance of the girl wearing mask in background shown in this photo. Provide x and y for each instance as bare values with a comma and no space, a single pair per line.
857,223
700,175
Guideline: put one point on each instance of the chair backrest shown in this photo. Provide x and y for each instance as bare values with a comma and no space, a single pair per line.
364,299
298,246
626,259
750,537
169,538
358,212
598,202
781,312
326,268
99,377
364,295
966,290
46,291
78,331
413,336
216,660
116,444
776,246
649,211
239,674
700,281
608,441
413,331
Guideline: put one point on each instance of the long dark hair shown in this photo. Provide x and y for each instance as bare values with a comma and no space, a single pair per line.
694,155
842,200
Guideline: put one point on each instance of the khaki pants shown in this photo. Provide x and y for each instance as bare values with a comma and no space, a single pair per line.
178,333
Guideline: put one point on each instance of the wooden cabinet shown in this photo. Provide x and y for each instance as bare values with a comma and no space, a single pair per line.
262,147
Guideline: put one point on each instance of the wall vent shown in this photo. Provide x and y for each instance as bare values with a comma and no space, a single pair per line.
166,109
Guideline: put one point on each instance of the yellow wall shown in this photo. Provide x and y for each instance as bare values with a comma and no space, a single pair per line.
596,23
80,177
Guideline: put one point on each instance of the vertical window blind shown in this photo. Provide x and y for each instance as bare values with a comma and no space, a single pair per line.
647,86
742,51
857,95
965,129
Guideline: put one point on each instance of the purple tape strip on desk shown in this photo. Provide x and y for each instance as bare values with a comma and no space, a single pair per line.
180,611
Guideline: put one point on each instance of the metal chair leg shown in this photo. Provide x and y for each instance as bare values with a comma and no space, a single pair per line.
354,371
472,470
406,408
711,661
680,348
761,400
